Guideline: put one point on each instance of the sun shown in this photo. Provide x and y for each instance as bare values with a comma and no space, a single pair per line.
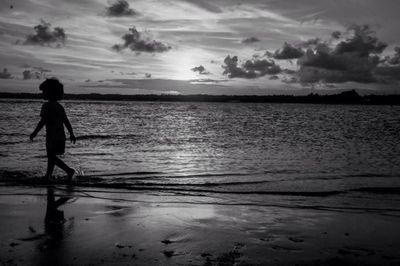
184,60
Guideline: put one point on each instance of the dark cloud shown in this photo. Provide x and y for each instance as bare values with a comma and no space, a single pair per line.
250,40
315,74
354,56
5,74
147,75
288,51
27,74
201,69
330,67
233,71
120,8
363,42
336,34
395,59
352,59
252,68
136,42
45,35
262,66
34,72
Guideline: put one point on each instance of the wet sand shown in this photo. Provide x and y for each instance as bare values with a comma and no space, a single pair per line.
56,226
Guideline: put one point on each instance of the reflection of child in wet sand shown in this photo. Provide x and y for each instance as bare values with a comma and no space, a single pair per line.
53,214
54,118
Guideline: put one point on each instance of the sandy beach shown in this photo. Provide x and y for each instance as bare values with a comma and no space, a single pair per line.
58,225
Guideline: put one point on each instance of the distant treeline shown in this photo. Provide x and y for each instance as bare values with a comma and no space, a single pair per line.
346,97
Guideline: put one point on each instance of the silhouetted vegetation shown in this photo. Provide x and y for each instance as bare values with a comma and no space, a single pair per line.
346,97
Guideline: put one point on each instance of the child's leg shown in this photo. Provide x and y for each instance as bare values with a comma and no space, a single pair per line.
50,164
62,165
53,148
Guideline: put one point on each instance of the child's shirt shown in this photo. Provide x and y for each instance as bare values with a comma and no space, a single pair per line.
54,116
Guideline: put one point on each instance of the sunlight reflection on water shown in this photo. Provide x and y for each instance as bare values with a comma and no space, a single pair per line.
318,146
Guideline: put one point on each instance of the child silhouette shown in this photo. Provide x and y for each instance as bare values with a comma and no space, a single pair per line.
53,116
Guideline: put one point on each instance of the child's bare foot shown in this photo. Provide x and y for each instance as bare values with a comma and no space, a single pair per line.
72,175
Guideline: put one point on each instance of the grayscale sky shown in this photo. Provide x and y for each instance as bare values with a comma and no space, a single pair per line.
201,46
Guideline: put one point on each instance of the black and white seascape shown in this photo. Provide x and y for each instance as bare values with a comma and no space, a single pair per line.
199,132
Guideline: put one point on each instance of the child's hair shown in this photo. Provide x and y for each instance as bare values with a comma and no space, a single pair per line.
53,89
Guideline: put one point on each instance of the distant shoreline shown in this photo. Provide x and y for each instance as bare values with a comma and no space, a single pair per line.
346,97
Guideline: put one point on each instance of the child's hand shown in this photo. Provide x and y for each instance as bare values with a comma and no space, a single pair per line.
72,138
32,136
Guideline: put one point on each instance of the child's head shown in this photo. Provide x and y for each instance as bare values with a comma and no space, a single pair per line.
52,89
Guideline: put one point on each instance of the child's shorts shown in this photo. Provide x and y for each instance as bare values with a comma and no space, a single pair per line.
56,147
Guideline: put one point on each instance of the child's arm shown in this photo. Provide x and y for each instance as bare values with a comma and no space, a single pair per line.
69,127
39,126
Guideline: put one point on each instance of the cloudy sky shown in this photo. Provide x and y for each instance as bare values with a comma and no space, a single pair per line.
201,46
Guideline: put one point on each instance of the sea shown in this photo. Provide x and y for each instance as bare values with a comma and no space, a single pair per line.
332,157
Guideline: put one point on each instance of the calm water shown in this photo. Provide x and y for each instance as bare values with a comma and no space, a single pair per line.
222,147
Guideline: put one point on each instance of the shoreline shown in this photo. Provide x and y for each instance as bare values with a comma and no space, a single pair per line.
348,97
57,225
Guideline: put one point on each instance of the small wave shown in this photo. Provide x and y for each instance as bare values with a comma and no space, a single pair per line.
334,177
283,171
14,134
140,181
373,175
10,142
125,173
165,176
110,136
192,188
84,137
208,175
164,184
90,153
379,190
40,156
14,175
